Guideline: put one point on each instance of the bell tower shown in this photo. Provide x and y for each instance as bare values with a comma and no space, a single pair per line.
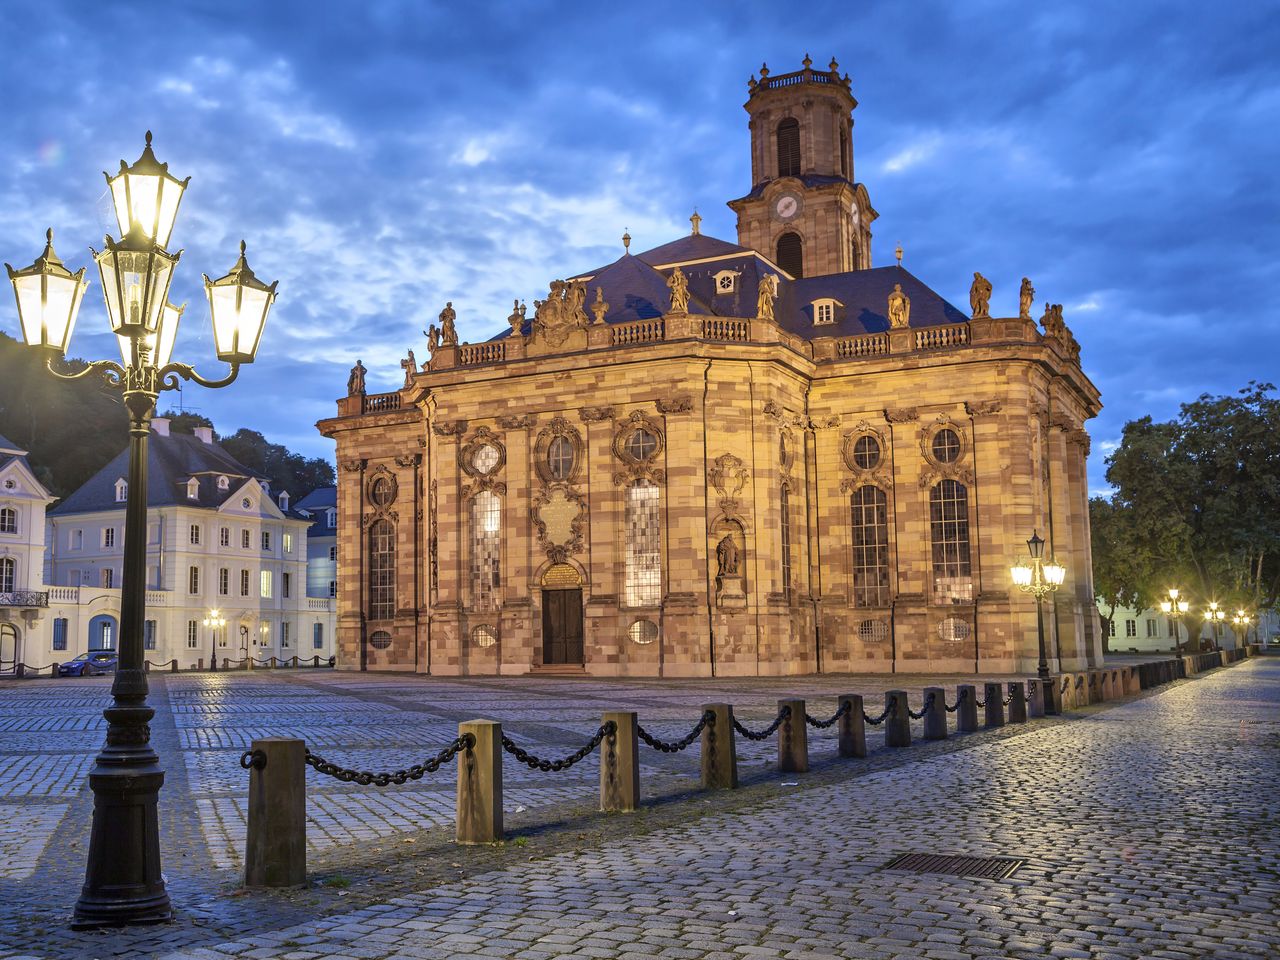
805,211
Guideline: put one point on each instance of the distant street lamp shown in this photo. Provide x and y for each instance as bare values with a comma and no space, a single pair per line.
215,621
1039,577
1215,615
1240,622
123,880
244,645
1176,607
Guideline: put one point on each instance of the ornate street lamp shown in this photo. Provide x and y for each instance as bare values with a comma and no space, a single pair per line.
123,883
1175,606
1240,623
1215,616
215,621
1038,577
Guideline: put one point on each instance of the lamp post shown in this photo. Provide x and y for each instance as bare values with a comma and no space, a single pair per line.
1240,622
1175,606
1039,577
215,621
244,645
1215,615
123,881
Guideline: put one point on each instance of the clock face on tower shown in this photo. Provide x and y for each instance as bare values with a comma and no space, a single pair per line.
787,207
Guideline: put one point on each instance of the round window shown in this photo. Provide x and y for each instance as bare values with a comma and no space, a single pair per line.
483,636
560,458
866,452
485,458
873,631
380,640
641,445
382,492
953,629
246,503
643,632
946,446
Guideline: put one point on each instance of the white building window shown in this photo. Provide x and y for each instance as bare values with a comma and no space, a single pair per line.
333,588
643,544
317,636
1131,628
224,582
193,489
266,539
193,580
224,537
486,541
824,311
108,538
76,540
223,483
193,634
266,584
244,539
284,634
288,543
8,520
122,490
331,518
108,578
726,281
1152,630
195,534
333,553
149,635
286,584
244,583
8,574
60,633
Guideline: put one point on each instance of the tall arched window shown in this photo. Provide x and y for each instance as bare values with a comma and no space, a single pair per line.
844,153
486,541
8,520
791,254
870,518
784,507
949,534
382,570
8,574
644,544
789,148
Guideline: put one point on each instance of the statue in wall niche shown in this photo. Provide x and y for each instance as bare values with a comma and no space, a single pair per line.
517,317
727,557
899,308
410,365
1026,294
448,333
980,296
355,382
765,296
679,287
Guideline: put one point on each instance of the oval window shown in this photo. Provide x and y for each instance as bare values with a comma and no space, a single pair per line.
485,458
643,632
873,631
866,452
946,446
380,640
953,629
484,636
382,492
560,458
641,445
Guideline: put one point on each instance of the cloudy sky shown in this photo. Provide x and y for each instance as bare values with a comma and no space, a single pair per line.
381,158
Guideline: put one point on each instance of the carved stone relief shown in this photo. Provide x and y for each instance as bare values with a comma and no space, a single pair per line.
509,422
595,414
558,513
637,461
678,404
482,458
447,428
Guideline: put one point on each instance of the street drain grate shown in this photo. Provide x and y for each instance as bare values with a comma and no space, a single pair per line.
989,868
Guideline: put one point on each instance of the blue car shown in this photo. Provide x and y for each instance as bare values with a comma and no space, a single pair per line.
90,664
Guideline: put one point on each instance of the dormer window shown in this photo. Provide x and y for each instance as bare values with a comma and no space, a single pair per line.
824,311
122,490
331,517
193,489
726,281
283,500
224,483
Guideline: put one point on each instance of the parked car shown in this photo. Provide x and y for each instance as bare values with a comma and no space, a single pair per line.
90,664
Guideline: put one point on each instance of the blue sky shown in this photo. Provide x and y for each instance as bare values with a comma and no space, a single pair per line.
382,158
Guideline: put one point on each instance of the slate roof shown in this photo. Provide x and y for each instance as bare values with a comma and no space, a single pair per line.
314,506
808,179
8,445
171,461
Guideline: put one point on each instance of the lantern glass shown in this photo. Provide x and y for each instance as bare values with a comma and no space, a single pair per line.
159,344
238,304
49,297
1166,606
1036,546
135,285
146,197
1021,573
1183,606
1054,573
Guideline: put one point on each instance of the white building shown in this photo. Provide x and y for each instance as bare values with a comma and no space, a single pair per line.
321,507
216,539
1151,631
23,596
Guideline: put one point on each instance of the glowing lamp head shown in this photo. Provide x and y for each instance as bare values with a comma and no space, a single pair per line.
1173,593
1184,606
49,297
135,284
1021,572
159,345
1054,573
238,304
1166,606
146,197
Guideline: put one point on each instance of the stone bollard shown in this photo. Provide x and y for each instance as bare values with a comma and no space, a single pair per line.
1035,706
19,670
853,727
146,666
620,765
1017,702
935,717
53,669
200,664
479,810
276,841
1053,696
967,710
993,710
897,726
719,751
793,739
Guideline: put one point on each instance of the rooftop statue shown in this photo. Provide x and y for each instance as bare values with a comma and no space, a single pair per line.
1025,295
899,308
355,382
764,299
448,333
980,296
679,291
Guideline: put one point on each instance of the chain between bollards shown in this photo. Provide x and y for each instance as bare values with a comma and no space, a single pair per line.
548,766
366,778
675,746
823,724
767,731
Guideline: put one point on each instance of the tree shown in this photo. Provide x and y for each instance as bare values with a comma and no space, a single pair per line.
1123,566
287,471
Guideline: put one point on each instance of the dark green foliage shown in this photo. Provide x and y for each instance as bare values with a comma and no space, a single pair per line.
287,471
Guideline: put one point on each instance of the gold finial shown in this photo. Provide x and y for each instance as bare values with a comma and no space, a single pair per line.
626,241
697,223
835,67
897,252
807,62
764,71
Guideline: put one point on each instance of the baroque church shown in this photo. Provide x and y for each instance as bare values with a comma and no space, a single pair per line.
726,459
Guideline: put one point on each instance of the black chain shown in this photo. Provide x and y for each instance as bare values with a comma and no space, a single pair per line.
547,766
253,758
890,710
823,724
1007,700
767,731
928,705
959,700
981,704
675,746
416,772
1079,682
1066,682
1031,692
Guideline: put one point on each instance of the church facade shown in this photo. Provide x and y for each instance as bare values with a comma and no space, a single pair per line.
715,458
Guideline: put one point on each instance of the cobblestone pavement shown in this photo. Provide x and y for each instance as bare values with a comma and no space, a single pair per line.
1148,827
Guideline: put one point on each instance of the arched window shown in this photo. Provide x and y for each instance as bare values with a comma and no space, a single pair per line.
791,254
949,535
8,520
8,574
644,544
784,506
844,152
486,541
382,570
870,518
789,148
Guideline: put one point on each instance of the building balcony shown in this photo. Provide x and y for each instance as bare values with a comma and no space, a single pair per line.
24,598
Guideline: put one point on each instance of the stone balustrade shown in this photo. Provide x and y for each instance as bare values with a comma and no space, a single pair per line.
637,331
